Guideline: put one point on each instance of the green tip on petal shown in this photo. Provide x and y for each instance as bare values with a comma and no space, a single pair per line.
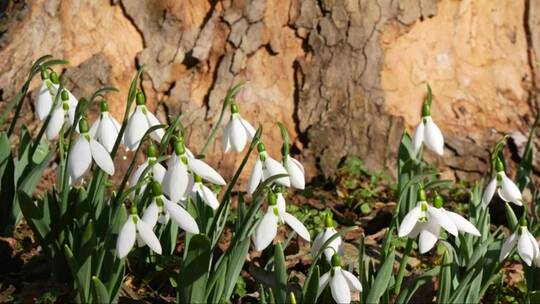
152,151
426,111
423,207
156,188
64,95
328,220
234,108
197,178
292,298
438,201
83,125
179,147
260,147
104,106
54,78
65,106
140,99
499,166
133,210
272,198
523,221
336,260
44,74
422,197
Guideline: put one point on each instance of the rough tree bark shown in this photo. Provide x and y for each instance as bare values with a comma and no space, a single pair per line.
345,76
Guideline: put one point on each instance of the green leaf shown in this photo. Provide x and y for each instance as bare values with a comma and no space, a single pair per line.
312,288
236,260
407,293
511,217
99,291
280,274
445,280
382,279
195,270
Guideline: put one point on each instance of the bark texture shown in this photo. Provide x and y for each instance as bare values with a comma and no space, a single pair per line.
346,77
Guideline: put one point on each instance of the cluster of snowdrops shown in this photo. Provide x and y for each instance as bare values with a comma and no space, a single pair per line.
176,185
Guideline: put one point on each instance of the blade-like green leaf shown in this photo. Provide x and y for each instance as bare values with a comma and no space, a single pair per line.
381,284
280,274
194,273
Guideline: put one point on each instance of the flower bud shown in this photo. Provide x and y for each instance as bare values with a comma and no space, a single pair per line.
438,201
328,220
140,99
54,78
336,260
83,125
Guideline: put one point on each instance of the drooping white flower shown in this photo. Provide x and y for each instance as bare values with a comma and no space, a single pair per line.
140,121
202,169
134,229
335,246
177,179
505,187
157,171
296,172
106,128
265,167
238,132
161,209
428,133
276,214
207,195
527,246
341,282
84,150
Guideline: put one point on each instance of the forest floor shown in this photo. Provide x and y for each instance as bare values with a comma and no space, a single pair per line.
356,197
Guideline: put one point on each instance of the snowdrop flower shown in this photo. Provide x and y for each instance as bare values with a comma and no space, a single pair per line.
265,167
296,172
202,169
177,179
527,246
336,246
462,224
426,221
238,132
507,190
341,282
105,129
157,170
161,209
206,195
139,122
134,229
84,150
428,133
276,214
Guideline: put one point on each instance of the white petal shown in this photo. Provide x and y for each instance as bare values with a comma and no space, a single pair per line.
508,245
418,137
255,177
323,281
462,224
409,221
296,172
296,225
226,137
148,236
265,232
534,243
107,133
427,239
206,172
273,167
136,127
157,135
151,214
175,180
433,137
137,174
44,102
317,243
126,238
336,246
80,159
250,131
181,217
509,191
55,123
94,128
158,172
340,288
441,219
101,157
354,283
209,197
489,192
237,136
525,248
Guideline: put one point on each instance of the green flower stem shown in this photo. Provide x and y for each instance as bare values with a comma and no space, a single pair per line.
403,266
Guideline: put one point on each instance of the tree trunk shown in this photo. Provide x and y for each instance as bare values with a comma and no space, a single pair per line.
345,77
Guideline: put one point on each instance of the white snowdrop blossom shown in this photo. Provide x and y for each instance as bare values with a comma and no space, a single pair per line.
106,128
426,221
206,195
238,132
275,215
136,229
84,150
161,209
428,133
203,170
504,186
335,246
296,172
527,246
140,121
342,282
177,178
156,171
265,167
